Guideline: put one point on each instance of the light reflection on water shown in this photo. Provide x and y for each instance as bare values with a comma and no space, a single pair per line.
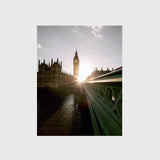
70,118
60,123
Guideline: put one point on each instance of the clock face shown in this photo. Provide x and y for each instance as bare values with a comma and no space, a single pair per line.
75,61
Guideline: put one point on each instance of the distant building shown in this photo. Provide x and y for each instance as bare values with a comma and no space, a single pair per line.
97,72
51,75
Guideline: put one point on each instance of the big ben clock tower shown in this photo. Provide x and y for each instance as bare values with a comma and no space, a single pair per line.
76,65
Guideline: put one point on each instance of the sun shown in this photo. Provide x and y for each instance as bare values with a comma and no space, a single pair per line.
84,71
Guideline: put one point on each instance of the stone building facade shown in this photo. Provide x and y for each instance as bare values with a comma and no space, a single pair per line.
51,75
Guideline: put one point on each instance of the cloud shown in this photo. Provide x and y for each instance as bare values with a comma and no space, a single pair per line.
74,30
95,31
39,46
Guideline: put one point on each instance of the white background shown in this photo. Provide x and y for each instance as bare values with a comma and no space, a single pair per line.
18,66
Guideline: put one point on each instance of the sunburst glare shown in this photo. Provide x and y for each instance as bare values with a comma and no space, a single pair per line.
84,71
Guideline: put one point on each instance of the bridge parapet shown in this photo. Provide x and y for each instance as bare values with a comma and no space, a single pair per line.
104,94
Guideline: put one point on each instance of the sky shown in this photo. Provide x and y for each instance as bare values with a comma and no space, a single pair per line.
97,46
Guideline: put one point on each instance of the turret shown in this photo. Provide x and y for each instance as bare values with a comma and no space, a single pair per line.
38,64
61,63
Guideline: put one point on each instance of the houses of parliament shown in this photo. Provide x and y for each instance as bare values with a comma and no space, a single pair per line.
51,75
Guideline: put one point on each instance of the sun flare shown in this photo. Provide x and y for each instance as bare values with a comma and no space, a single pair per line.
84,71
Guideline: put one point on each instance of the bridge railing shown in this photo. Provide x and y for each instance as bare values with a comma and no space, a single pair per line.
104,94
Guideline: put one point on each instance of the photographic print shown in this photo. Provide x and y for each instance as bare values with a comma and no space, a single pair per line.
79,80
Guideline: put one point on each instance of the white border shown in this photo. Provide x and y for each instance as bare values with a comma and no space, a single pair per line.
140,79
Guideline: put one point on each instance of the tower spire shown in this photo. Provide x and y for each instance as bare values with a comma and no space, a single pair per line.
76,52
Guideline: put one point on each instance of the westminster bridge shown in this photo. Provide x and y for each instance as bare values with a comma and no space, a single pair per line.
92,108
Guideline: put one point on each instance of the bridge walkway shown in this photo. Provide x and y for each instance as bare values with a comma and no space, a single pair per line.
68,120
